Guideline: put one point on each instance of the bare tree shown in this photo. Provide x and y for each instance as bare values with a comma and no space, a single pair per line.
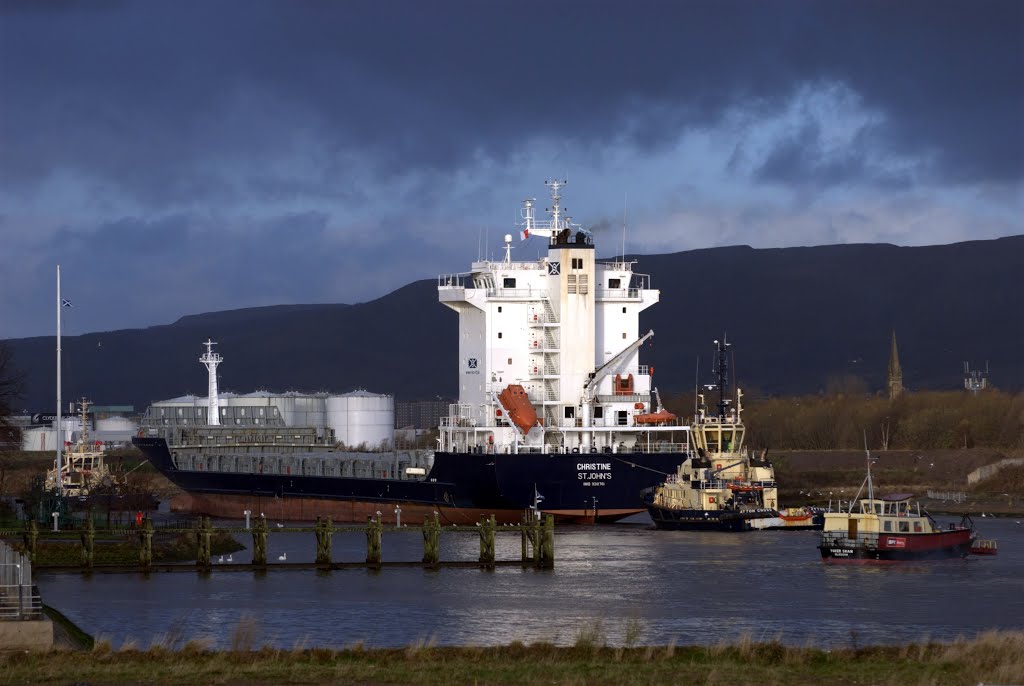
12,385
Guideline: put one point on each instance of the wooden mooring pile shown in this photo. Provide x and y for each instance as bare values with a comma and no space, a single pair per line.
537,545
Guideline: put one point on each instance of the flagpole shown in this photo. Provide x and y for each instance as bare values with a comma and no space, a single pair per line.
57,422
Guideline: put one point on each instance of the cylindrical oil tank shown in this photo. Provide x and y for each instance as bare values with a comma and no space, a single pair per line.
40,438
116,424
361,418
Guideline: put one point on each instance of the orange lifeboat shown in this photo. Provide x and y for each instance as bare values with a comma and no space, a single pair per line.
656,418
520,409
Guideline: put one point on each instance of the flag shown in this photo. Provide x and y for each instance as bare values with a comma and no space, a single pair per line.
524,234
64,302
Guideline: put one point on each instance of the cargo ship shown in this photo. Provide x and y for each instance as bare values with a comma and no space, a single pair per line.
554,410
890,529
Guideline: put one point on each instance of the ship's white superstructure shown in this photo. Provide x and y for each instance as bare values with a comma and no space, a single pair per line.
566,329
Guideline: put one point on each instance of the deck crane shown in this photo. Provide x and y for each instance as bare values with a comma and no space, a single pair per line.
590,390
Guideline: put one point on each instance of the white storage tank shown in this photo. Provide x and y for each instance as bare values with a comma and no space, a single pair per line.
38,438
116,425
298,409
362,418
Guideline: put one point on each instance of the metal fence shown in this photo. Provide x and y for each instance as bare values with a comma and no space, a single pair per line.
951,496
18,600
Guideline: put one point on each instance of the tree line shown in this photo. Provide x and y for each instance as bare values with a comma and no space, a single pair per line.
914,421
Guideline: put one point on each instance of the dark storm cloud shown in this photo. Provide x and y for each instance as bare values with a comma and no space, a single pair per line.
170,101
152,272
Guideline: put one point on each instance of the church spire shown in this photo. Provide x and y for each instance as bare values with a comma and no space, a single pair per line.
895,371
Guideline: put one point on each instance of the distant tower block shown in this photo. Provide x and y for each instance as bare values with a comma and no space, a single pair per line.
210,360
974,379
895,371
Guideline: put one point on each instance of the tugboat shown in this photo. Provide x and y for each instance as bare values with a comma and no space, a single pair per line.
83,468
721,487
890,529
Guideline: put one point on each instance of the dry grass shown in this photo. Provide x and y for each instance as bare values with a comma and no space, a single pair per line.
992,657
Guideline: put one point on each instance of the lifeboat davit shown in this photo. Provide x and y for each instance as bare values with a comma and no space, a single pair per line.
520,409
660,417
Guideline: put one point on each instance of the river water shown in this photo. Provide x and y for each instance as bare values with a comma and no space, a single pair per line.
615,580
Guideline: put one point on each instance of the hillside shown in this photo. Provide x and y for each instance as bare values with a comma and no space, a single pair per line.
802,319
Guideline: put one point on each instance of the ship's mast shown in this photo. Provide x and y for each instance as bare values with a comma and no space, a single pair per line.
84,404
723,375
210,360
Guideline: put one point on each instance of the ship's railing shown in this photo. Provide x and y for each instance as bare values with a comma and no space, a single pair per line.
540,318
516,293
842,539
661,447
623,294
627,398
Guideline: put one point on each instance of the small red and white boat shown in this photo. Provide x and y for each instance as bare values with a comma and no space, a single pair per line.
890,529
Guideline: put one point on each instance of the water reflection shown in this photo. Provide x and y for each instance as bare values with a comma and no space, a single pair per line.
686,587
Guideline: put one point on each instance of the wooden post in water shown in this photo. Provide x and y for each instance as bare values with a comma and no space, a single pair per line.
203,554
88,542
373,532
324,531
522,533
259,542
487,529
146,543
547,558
431,541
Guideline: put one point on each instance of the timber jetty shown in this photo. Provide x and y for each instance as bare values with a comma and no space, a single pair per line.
536,535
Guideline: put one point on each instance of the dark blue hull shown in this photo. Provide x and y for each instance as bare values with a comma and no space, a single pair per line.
460,486
705,520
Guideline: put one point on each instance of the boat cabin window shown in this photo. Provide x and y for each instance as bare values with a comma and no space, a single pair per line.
508,282
878,508
904,527
726,441
888,525
614,283
623,418
599,412
917,527
570,412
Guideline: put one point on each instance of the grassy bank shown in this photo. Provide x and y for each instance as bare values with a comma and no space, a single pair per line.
813,477
991,657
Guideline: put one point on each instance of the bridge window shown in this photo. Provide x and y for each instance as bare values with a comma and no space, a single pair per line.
615,283
508,282
904,527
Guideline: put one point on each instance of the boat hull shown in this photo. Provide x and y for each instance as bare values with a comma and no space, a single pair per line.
939,545
705,520
461,487
583,487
